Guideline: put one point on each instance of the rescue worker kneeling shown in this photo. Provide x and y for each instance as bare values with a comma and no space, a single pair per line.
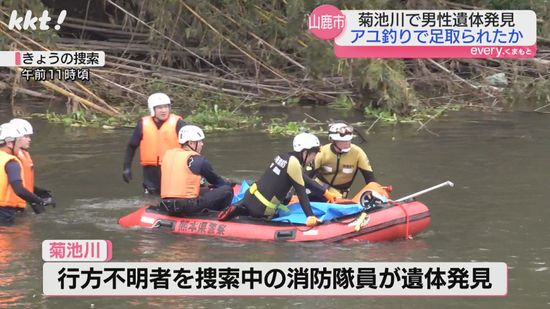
286,171
181,172
338,162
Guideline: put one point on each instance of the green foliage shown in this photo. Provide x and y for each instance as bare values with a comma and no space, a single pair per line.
386,82
541,91
342,102
525,90
416,115
292,101
386,116
83,118
209,118
280,126
214,118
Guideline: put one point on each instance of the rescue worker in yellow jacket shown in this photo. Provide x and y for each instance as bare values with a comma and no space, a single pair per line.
285,172
182,169
22,145
338,162
13,195
153,135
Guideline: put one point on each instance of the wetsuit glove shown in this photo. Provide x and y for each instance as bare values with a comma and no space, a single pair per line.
38,208
331,198
313,221
42,193
127,175
49,201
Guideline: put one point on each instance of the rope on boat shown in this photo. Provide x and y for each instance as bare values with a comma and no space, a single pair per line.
407,221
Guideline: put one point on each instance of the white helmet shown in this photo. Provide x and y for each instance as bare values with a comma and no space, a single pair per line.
340,131
190,133
8,132
305,141
157,99
22,125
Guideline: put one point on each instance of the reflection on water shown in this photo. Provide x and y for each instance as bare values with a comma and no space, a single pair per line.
17,244
496,212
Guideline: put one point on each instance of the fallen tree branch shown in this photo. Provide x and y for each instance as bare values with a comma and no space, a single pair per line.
76,98
31,93
444,69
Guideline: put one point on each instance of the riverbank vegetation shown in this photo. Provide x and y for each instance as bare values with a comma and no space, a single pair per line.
219,60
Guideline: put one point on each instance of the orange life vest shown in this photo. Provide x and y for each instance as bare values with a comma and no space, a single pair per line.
8,198
177,180
373,186
27,166
155,141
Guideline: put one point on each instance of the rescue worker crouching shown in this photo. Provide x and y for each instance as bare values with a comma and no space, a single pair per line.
153,135
182,169
22,145
13,194
285,172
338,162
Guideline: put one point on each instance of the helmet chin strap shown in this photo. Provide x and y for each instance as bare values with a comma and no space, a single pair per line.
300,156
305,153
196,146
12,148
340,149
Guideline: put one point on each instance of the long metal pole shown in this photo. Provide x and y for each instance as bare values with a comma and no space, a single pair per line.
446,183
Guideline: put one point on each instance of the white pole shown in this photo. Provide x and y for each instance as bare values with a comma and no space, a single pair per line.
446,183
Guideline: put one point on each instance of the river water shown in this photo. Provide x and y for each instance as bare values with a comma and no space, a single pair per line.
496,212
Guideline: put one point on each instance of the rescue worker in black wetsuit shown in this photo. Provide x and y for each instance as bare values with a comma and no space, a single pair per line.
338,162
13,195
153,135
182,169
285,172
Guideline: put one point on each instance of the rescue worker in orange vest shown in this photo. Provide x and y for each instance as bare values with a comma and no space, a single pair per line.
285,172
182,169
22,145
153,135
13,195
338,162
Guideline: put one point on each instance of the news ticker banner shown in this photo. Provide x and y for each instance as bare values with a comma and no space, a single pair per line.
52,58
426,33
274,279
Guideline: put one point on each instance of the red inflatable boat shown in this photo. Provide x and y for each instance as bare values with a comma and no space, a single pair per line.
399,221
